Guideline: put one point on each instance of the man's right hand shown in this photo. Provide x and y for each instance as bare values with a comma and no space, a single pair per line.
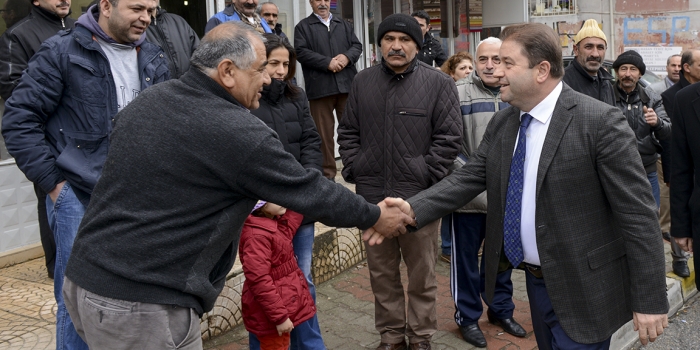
685,243
396,214
56,191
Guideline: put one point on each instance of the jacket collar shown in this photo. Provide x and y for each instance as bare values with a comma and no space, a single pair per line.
273,93
602,73
682,81
638,94
313,19
263,223
476,79
48,15
411,68
195,77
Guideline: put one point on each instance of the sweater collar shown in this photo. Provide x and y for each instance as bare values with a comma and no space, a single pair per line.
195,77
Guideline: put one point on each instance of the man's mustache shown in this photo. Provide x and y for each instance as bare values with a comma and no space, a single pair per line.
396,53
594,59
249,6
63,4
323,7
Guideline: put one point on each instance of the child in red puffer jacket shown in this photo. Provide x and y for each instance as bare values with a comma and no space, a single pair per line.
276,297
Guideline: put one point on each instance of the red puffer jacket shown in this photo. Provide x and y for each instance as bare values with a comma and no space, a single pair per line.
275,288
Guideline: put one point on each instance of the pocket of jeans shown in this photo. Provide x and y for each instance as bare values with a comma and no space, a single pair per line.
107,305
61,194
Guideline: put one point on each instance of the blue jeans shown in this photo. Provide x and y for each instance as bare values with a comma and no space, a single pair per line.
446,235
306,335
64,218
655,190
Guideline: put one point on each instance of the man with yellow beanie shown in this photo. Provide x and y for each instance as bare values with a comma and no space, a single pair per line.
586,73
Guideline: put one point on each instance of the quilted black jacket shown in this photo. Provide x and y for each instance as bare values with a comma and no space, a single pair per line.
400,132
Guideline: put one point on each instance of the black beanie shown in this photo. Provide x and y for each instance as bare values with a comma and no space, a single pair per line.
630,57
400,22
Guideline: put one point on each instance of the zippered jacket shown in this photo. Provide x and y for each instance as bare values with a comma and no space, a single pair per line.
58,119
275,288
648,137
400,132
20,42
316,45
478,105
177,39
432,51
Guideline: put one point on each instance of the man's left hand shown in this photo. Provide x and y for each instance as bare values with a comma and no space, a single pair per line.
343,60
649,326
650,116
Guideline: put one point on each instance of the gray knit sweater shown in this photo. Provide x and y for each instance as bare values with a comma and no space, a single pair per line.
186,165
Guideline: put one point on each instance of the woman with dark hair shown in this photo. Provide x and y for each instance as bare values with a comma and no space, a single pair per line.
459,65
285,109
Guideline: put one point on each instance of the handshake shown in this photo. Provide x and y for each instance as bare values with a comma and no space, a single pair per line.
396,214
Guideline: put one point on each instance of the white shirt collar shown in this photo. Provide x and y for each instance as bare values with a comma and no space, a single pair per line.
328,22
544,110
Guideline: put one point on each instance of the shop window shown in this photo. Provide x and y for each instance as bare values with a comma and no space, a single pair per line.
542,8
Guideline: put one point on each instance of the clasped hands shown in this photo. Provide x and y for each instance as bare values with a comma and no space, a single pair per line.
396,214
338,63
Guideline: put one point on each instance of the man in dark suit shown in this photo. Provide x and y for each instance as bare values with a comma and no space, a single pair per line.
572,205
685,167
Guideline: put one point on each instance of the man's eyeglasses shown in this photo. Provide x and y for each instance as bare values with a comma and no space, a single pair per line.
270,14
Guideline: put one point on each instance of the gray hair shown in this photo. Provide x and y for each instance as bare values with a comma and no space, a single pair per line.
258,9
489,40
668,60
229,40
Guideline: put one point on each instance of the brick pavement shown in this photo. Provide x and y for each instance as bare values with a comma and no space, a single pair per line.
346,315
346,312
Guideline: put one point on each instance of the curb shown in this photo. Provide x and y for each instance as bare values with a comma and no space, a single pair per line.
678,290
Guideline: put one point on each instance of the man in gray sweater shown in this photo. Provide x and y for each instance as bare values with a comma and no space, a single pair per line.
187,163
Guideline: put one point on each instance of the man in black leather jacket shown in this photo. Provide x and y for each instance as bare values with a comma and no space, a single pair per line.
432,49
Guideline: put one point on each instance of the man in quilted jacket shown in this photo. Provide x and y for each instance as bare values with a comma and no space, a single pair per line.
401,131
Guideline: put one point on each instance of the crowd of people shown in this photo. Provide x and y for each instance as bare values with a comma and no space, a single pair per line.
158,158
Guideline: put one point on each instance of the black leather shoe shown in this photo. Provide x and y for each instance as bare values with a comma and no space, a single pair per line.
387,346
508,324
424,345
680,268
473,335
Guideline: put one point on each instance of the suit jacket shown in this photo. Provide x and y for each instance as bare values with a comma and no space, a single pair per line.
669,97
685,167
597,233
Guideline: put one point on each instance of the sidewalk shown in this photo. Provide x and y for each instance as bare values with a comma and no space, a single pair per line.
346,315
345,304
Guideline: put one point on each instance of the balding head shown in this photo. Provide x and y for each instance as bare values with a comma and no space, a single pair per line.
233,54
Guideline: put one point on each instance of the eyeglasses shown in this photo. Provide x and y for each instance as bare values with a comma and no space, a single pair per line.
270,14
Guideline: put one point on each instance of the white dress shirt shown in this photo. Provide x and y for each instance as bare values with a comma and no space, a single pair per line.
535,135
324,21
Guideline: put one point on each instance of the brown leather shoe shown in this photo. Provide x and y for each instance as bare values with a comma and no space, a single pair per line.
424,345
387,346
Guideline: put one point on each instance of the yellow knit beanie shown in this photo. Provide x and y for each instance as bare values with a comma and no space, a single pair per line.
590,29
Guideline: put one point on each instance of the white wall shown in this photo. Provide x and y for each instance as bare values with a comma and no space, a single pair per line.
18,213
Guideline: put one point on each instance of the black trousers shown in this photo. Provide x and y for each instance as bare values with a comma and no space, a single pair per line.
48,242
